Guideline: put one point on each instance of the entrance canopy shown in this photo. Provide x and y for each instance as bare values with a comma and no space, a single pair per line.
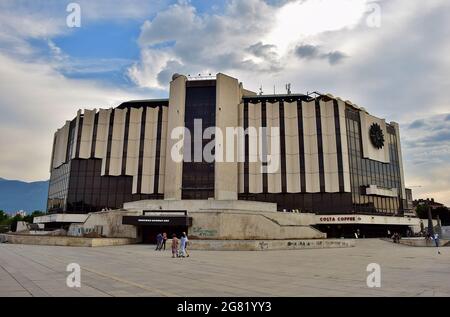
172,218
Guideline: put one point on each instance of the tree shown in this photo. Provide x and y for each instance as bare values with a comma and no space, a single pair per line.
3,217
422,211
13,222
442,212
30,218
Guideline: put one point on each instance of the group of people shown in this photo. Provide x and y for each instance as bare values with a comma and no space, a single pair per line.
428,237
396,237
179,246
161,239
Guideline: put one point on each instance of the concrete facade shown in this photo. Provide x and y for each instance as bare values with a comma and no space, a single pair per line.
174,169
112,125
320,147
211,220
228,98
251,226
111,225
231,219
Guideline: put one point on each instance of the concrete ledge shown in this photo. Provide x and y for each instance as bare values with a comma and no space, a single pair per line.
64,241
201,205
267,245
421,242
252,226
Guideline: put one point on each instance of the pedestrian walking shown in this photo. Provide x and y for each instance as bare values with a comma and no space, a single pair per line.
174,246
436,242
183,242
159,241
186,246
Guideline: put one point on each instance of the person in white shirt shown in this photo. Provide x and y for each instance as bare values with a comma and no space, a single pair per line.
183,244
436,241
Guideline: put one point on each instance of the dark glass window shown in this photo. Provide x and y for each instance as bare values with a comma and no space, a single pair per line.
198,177
365,172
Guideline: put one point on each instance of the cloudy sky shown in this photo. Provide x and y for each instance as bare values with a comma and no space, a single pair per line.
390,56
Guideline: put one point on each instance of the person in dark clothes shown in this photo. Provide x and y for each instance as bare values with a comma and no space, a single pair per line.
159,242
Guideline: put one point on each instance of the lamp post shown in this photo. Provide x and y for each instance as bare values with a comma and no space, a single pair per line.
430,221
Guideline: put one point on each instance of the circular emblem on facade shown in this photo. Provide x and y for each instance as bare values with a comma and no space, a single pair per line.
376,136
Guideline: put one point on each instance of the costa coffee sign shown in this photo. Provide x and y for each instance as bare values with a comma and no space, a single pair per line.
339,219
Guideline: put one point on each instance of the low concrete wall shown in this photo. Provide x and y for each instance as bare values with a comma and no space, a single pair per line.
111,223
252,226
205,245
267,245
64,241
445,232
422,242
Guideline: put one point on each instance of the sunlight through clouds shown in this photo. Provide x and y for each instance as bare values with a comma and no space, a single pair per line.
301,19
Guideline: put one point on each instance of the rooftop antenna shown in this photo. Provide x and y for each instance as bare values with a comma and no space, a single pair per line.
274,92
261,91
288,88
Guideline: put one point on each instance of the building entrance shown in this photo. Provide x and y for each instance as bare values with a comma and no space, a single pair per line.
149,233
154,222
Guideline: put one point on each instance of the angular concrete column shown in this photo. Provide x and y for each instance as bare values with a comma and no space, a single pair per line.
400,158
330,159
87,134
311,147
174,169
75,135
344,143
228,98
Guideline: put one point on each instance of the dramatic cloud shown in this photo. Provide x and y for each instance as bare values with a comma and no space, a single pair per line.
265,51
37,100
206,43
427,149
250,36
298,20
307,51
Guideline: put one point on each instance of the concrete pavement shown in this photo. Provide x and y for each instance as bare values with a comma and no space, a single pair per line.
137,270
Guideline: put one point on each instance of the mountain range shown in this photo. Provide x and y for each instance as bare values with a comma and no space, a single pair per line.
18,195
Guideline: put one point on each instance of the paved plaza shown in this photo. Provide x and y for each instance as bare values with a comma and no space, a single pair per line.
138,270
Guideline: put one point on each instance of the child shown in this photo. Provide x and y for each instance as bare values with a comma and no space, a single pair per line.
174,246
